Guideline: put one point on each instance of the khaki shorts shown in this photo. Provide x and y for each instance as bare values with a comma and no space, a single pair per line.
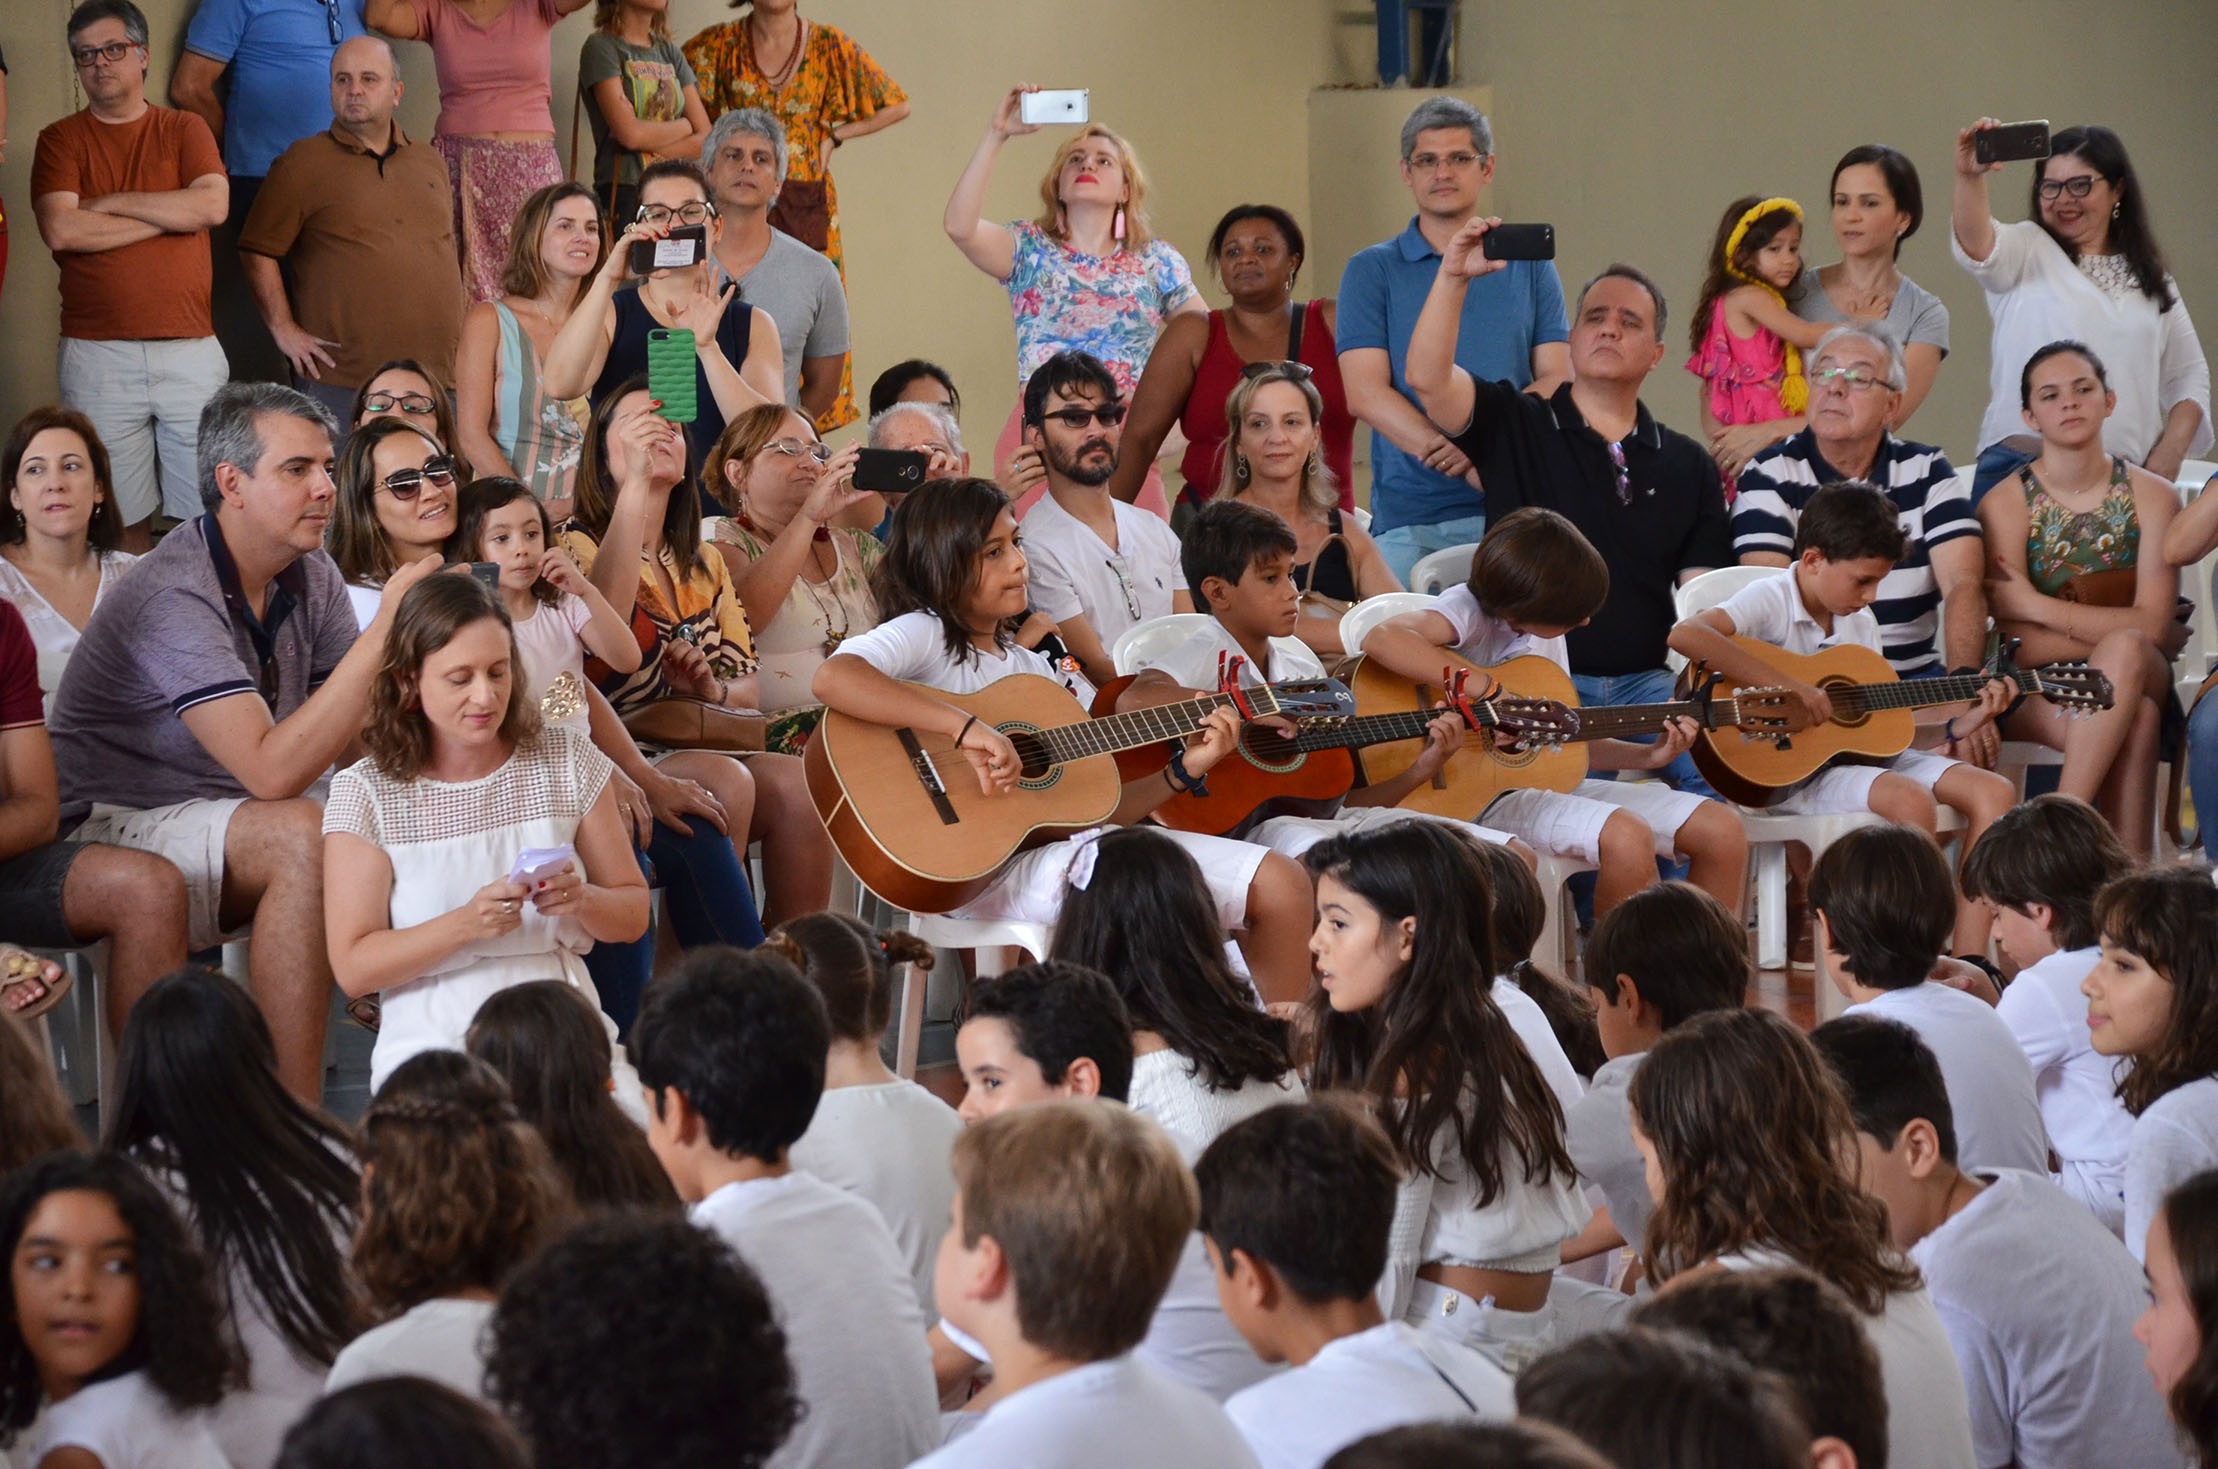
189,834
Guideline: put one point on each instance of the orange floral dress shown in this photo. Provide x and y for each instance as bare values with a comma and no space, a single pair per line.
834,82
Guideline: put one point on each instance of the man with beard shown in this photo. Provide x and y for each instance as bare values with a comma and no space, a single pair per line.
1099,566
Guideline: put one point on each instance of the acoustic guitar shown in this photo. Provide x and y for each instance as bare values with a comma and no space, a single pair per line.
1874,715
904,807
1274,774
1481,770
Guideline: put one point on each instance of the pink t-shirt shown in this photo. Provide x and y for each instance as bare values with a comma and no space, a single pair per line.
495,78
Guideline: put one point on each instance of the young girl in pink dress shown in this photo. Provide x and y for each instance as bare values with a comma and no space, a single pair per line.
1747,345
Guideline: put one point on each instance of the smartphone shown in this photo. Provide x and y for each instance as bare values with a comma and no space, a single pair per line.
890,471
1520,242
686,245
1067,105
671,373
487,572
2012,142
537,864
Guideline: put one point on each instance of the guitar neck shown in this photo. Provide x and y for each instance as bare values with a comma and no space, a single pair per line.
1134,728
1355,732
1614,721
1925,693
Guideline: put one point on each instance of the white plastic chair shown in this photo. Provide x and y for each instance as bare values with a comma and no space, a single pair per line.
1144,642
1436,571
986,939
2198,582
1712,589
1361,516
1553,948
1358,621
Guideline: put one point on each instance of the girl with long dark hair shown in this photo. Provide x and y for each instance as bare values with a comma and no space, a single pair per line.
2180,1328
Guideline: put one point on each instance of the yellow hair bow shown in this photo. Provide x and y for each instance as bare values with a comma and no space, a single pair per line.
1794,388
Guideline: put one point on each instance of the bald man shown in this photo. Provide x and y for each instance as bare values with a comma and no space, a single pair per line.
363,221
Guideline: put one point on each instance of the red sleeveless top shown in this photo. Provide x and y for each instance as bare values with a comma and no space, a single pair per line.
1218,373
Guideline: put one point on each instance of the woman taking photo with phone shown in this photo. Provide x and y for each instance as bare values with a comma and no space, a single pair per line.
1086,275
2085,267
473,849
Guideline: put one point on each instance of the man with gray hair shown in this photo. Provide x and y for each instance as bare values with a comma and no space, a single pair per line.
1425,495
923,428
215,686
745,160
1856,381
125,193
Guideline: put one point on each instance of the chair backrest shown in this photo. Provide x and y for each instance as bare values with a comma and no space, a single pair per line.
1357,622
1710,589
1362,517
1436,571
1144,642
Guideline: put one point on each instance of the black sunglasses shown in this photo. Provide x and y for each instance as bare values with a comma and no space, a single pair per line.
1109,415
407,484
1300,370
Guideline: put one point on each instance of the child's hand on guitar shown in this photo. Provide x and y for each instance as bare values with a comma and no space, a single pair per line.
1676,737
1994,700
1815,701
1443,737
990,754
1217,737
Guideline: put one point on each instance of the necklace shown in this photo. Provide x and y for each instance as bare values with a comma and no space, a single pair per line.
2110,274
776,80
833,636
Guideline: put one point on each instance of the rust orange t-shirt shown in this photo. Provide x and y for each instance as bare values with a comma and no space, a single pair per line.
156,289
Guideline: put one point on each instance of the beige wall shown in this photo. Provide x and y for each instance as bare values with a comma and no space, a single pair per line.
1617,121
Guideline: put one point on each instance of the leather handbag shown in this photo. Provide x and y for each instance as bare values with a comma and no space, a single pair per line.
2100,588
691,724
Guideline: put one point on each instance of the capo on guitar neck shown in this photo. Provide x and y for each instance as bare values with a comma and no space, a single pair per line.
1228,682
1452,682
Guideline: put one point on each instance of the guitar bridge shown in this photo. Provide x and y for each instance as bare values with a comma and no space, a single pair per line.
927,776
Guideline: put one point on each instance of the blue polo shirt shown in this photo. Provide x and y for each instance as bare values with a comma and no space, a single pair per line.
1505,315
278,58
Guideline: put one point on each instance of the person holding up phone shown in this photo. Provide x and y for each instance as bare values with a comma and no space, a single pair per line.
2084,268
604,342
1087,275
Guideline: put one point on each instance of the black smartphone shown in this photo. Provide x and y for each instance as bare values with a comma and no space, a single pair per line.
487,572
2012,142
891,471
683,246
1520,242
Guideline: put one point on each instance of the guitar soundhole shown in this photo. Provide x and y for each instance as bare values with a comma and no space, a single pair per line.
1514,759
1040,770
1844,712
1269,750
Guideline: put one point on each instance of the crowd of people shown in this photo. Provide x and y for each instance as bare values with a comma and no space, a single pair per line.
422,670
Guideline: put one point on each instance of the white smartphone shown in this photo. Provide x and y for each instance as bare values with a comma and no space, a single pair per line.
536,864
1068,105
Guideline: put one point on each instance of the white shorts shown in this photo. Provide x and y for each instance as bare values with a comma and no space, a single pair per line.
1030,889
190,835
1845,789
1508,1339
1293,836
1569,824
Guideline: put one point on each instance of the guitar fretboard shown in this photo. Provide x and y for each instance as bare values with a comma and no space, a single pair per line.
1612,721
1137,727
1925,693
1354,733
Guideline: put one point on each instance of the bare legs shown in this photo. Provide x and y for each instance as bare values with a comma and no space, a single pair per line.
2110,756
136,901
273,879
1281,910
796,852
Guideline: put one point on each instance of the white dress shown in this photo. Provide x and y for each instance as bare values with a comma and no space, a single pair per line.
54,635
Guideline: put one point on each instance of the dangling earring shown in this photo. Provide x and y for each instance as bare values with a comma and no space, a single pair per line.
2115,208
1239,466
1116,227
1314,464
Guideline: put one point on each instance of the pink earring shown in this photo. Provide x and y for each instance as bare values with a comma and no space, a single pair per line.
1116,228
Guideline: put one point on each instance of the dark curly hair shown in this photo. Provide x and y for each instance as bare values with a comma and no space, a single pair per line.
2168,918
180,1343
742,1037
457,1189
563,1358
400,1423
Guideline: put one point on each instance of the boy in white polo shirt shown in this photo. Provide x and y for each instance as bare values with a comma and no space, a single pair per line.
2039,1301
1296,1206
1099,566
1881,904
2038,870
1848,539
1069,1219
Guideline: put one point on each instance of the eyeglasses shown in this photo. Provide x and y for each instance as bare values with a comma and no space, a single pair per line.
1124,584
415,403
331,21
1624,474
1109,415
696,211
1434,162
1300,370
407,484
1855,379
797,448
113,52
2078,188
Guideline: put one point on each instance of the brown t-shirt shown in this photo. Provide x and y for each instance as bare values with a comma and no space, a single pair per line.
156,289
370,243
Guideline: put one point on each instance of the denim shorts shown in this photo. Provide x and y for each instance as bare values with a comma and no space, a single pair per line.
31,896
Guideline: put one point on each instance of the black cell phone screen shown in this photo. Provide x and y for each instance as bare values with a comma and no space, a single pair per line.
1520,242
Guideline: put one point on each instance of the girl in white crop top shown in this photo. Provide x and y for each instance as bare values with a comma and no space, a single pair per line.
1404,953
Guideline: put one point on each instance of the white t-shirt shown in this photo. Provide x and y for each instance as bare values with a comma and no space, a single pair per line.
1191,1340
129,1424
1438,1219
888,1145
1118,1414
1599,1133
1193,663
913,646
554,660
2076,1085
2173,1141
2039,1302
1770,610
1990,1086
1364,1384
854,1331
1525,1016
1074,574
443,1340
54,635
1485,639
1928,1425
2036,295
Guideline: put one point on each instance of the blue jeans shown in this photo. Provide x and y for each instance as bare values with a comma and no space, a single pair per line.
1649,686
705,893
1997,462
1405,545
2202,768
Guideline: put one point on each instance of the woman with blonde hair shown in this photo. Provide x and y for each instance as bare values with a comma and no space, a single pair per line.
1087,275
1274,459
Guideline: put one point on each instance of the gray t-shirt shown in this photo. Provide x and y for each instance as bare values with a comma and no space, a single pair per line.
1917,315
655,77
175,633
801,290
1598,1130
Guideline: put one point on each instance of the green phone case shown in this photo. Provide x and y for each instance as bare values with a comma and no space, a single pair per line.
670,373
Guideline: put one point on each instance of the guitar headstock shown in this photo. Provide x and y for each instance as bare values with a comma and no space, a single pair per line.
2075,687
1311,698
1535,723
1769,713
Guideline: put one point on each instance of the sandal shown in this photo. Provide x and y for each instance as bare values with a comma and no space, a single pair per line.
365,1011
19,967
